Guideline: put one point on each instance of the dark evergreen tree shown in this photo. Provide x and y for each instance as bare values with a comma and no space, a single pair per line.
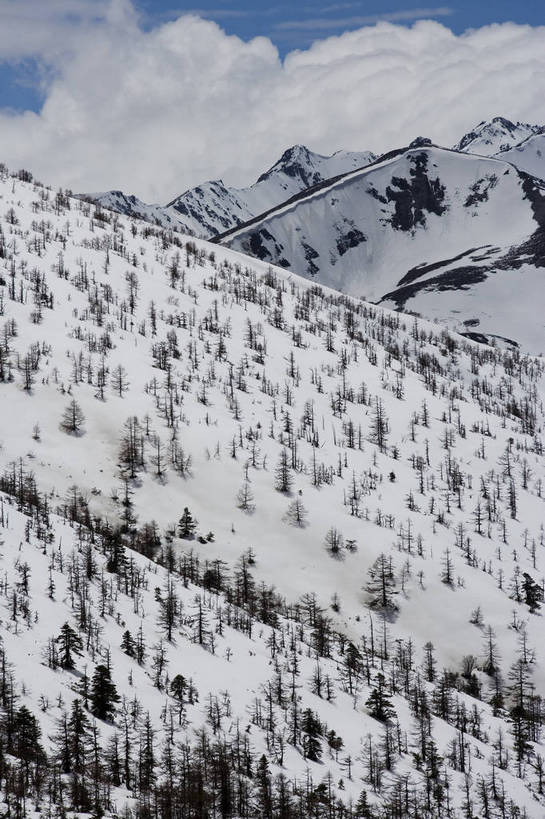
379,704
128,644
104,694
282,475
69,646
25,742
311,731
187,525
533,592
263,793
169,609
75,755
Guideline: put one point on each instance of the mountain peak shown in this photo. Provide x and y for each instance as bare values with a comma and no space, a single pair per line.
295,162
420,142
493,136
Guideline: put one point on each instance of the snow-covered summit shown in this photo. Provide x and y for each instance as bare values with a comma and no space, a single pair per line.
309,168
493,136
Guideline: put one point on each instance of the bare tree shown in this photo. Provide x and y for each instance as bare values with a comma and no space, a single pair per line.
73,418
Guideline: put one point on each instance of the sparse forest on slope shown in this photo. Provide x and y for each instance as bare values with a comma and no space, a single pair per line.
266,550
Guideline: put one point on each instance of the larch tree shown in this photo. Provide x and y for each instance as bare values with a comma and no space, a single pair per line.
73,418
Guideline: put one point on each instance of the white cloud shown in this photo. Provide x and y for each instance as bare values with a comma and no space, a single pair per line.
154,112
45,30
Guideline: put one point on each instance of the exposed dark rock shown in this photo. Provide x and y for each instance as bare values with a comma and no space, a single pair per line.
415,196
352,238
257,247
422,269
420,142
480,190
461,278
310,255
376,195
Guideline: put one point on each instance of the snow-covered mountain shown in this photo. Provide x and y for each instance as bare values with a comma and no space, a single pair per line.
516,142
266,550
463,260
450,235
491,137
213,208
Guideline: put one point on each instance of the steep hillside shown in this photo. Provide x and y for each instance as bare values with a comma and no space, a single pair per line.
213,208
449,235
297,539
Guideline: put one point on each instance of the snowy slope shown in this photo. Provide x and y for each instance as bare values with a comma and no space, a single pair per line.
213,208
497,135
528,155
421,229
393,437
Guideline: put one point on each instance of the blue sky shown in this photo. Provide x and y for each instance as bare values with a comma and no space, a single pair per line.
297,24
288,25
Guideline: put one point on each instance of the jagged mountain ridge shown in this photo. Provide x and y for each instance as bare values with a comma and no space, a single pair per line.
450,235
397,437
213,208
497,135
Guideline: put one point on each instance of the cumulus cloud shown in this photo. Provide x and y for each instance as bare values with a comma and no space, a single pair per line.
156,111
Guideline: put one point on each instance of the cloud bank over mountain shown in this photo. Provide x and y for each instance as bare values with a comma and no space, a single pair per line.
154,111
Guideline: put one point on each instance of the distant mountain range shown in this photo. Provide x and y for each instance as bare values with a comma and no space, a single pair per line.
455,234
212,208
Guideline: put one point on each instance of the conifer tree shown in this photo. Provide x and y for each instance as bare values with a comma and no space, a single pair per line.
381,585
70,646
187,525
282,476
379,704
311,730
128,644
104,694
